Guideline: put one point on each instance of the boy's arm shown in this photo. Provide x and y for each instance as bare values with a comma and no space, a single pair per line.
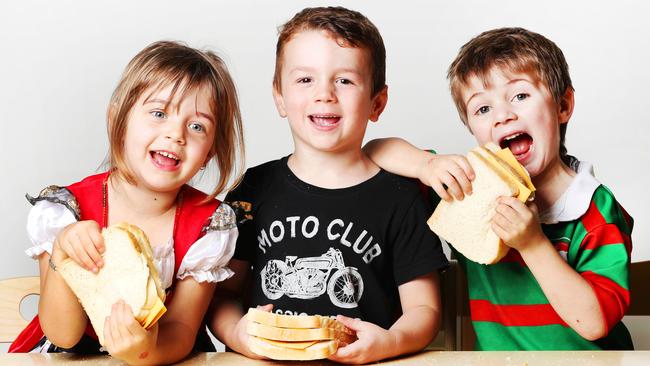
416,327
575,298
570,295
448,175
398,156
420,321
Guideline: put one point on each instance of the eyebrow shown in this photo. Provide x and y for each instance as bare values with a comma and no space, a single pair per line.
163,101
340,70
510,82
166,103
206,116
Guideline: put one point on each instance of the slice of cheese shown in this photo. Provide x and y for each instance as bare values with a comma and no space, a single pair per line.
526,187
157,310
509,158
291,345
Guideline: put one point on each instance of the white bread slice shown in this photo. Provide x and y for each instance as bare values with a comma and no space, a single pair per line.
294,335
144,246
296,321
316,351
467,224
285,321
127,275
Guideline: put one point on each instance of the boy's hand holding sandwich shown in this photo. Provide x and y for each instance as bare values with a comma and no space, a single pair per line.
373,341
517,224
450,176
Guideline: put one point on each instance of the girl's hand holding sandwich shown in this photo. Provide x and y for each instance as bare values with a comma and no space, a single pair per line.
125,338
83,242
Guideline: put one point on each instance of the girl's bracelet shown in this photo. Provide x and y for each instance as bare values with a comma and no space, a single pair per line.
52,265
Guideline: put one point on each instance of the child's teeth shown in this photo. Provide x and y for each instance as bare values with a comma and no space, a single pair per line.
166,155
512,137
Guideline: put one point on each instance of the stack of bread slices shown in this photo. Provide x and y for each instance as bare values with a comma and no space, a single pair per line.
295,337
467,224
128,274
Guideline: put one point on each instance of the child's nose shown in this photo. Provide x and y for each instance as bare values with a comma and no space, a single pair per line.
325,93
175,132
503,114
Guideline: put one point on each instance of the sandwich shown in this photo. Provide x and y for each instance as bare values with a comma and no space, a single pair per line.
128,274
467,224
295,337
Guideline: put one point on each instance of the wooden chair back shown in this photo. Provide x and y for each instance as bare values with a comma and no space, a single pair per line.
12,293
456,332
639,289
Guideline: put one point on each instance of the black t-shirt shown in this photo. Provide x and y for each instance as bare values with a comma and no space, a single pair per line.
332,251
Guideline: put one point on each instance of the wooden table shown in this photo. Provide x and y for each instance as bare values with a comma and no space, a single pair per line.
437,358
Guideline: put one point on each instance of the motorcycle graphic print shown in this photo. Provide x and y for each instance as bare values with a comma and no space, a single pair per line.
308,278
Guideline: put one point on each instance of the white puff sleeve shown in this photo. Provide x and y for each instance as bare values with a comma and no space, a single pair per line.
53,209
208,257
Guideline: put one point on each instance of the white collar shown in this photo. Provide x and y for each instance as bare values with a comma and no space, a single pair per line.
575,201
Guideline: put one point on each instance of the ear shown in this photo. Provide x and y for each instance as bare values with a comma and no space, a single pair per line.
279,103
378,104
565,108
207,161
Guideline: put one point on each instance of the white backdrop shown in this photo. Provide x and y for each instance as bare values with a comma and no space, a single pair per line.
60,61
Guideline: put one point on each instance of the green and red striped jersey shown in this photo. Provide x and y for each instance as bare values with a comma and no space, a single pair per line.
508,308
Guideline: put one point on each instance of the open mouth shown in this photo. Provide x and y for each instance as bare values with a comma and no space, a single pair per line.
165,159
324,120
519,143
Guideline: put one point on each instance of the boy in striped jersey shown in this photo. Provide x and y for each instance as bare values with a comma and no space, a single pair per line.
564,283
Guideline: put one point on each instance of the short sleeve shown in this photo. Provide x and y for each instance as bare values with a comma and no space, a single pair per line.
417,250
53,209
241,201
208,257
604,255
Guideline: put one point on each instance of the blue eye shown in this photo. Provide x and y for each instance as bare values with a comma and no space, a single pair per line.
484,109
521,96
197,127
158,114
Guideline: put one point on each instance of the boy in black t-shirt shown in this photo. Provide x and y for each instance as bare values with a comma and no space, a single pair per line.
325,230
